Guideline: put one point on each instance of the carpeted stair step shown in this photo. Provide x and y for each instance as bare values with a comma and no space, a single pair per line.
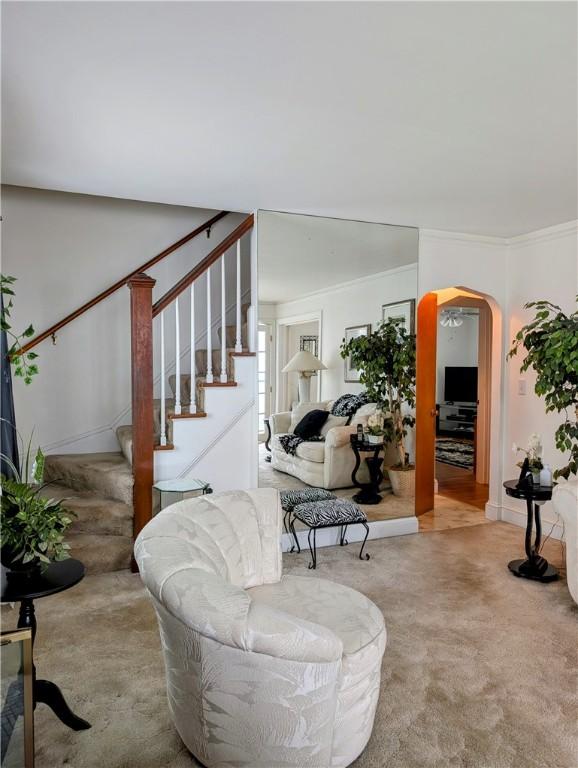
106,474
101,553
101,532
94,514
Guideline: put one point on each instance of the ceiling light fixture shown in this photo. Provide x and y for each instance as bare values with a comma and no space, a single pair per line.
451,319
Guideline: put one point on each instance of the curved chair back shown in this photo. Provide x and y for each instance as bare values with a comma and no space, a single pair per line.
235,535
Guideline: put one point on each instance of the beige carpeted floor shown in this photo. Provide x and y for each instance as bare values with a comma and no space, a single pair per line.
480,669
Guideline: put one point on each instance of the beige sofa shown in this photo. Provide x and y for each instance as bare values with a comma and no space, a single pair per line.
326,464
262,669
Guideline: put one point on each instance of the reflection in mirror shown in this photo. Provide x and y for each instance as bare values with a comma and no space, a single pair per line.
323,283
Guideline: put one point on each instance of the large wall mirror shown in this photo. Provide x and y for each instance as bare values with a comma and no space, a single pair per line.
320,281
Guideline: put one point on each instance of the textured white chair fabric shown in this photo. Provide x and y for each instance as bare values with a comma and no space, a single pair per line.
263,670
565,501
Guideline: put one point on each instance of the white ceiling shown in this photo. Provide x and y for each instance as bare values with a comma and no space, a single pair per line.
459,116
299,254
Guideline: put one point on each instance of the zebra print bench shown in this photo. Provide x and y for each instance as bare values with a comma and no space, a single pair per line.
329,513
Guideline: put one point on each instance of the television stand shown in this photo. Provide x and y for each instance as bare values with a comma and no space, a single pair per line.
456,419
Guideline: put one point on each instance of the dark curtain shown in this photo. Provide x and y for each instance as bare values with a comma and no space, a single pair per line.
8,436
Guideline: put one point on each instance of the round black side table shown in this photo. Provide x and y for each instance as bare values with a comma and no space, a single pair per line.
268,439
369,493
535,566
25,589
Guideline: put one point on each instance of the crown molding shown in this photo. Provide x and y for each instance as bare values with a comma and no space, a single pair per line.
350,283
463,237
545,235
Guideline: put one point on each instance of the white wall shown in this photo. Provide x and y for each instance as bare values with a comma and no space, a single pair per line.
64,249
455,347
509,272
356,303
542,265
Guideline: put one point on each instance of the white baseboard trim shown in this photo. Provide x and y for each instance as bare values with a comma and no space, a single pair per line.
514,516
493,511
378,529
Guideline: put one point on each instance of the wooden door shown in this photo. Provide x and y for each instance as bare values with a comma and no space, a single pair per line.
482,468
427,317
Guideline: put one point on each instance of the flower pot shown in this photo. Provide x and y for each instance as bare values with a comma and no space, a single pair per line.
374,439
402,482
17,566
536,476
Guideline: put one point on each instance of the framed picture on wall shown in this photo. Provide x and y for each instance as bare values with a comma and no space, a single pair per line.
352,374
401,310
309,344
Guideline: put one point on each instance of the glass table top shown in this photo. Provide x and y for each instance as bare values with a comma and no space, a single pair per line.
180,485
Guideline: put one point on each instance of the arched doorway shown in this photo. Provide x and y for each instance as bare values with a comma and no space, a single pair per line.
461,302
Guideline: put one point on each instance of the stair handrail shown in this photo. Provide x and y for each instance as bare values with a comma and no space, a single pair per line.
50,332
203,265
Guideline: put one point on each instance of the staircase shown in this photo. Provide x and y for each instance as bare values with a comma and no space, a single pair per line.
111,493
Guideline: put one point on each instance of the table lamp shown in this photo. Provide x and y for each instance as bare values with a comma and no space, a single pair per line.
306,365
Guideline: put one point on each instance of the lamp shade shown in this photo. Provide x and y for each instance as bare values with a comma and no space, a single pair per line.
304,361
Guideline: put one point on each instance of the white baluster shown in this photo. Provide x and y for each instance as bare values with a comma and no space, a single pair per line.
223,325
238,340
193,403
209,331
177,359
163,438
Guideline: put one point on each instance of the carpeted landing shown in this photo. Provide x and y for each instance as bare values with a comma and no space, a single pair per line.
480,669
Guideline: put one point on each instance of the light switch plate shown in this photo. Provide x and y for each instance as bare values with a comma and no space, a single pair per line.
522,387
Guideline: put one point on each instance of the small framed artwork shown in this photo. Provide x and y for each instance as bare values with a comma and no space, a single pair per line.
401,310
309,344
352,374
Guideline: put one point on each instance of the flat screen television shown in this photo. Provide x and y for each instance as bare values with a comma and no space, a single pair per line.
461,385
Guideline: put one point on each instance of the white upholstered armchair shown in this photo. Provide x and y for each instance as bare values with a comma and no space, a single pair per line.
565,501
263,670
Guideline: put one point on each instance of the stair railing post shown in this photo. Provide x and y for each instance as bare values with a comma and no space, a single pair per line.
209,378
141,294
193,394
177,359
163,416
224,377
238,339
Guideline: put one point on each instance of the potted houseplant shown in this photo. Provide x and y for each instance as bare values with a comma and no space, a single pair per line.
386,361
549,343
534,455
376,428
33,526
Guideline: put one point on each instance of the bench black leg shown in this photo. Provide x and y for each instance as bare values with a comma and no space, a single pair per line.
294,534
361,557
342,540
313,549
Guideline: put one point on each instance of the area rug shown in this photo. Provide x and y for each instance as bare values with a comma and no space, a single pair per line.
454,452
480,669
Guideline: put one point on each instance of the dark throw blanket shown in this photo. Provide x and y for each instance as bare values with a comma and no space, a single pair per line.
290,443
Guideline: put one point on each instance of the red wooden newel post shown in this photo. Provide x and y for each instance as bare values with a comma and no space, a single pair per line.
141,318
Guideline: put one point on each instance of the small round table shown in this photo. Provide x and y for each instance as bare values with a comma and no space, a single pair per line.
535,566
369,493
25,588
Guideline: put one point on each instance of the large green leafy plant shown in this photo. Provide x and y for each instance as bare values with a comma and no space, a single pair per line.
386,362
550,347
23,362
33,526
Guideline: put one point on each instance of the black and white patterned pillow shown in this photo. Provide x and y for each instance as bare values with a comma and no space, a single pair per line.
292,499
347,405
331,512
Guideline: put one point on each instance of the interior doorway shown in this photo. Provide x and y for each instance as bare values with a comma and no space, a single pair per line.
294,334
454,393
